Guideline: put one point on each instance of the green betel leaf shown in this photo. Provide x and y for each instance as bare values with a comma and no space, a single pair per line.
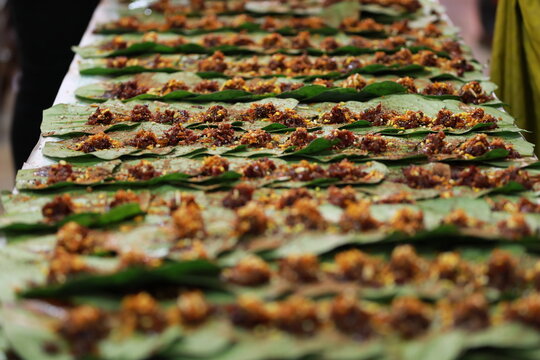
103,70
3,343
115,215
212,75
100,67
205,341
59,150
304,93
493,155
323,182
157,22
308,93
37,178
317,93
504,336
219,96
373,69
190,272
139,46
444,346
335,13
384,88
70,120
30,335
533,166
380,69
138,346
318,146
277,128
237,150
173,169
367,350
360,124
222,96
222,179
511,187
280,346
63,119
18,268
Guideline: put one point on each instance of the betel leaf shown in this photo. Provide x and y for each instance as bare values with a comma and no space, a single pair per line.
320,183
439,75
139,47
308,93
403,157
172,178
100,67
138,346
501,354
199,273
36,178
334,14
219,96
115,215
222,179
509,188
452,344
374,69
311,244
146,47
279,346
182,172
356,125
59,150
504,336
64,119
249,27
208,340
446,346
30,334
236,150
67,119
318,146
133,69
64,149
178,179
434,235
533,166
4,346
18,268
213,75
431,107
70,119
311,94
277,128
490,155
366,350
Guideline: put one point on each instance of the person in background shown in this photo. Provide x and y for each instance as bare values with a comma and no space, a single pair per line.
515,64
45,30
487,10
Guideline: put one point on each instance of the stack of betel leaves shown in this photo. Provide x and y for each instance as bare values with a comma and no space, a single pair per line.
262,180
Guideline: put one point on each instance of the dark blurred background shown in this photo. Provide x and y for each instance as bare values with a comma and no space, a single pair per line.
474,17
8,75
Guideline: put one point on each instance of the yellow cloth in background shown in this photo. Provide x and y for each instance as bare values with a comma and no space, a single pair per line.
515,64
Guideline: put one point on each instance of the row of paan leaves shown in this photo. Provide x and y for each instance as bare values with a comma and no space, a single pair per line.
99,273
